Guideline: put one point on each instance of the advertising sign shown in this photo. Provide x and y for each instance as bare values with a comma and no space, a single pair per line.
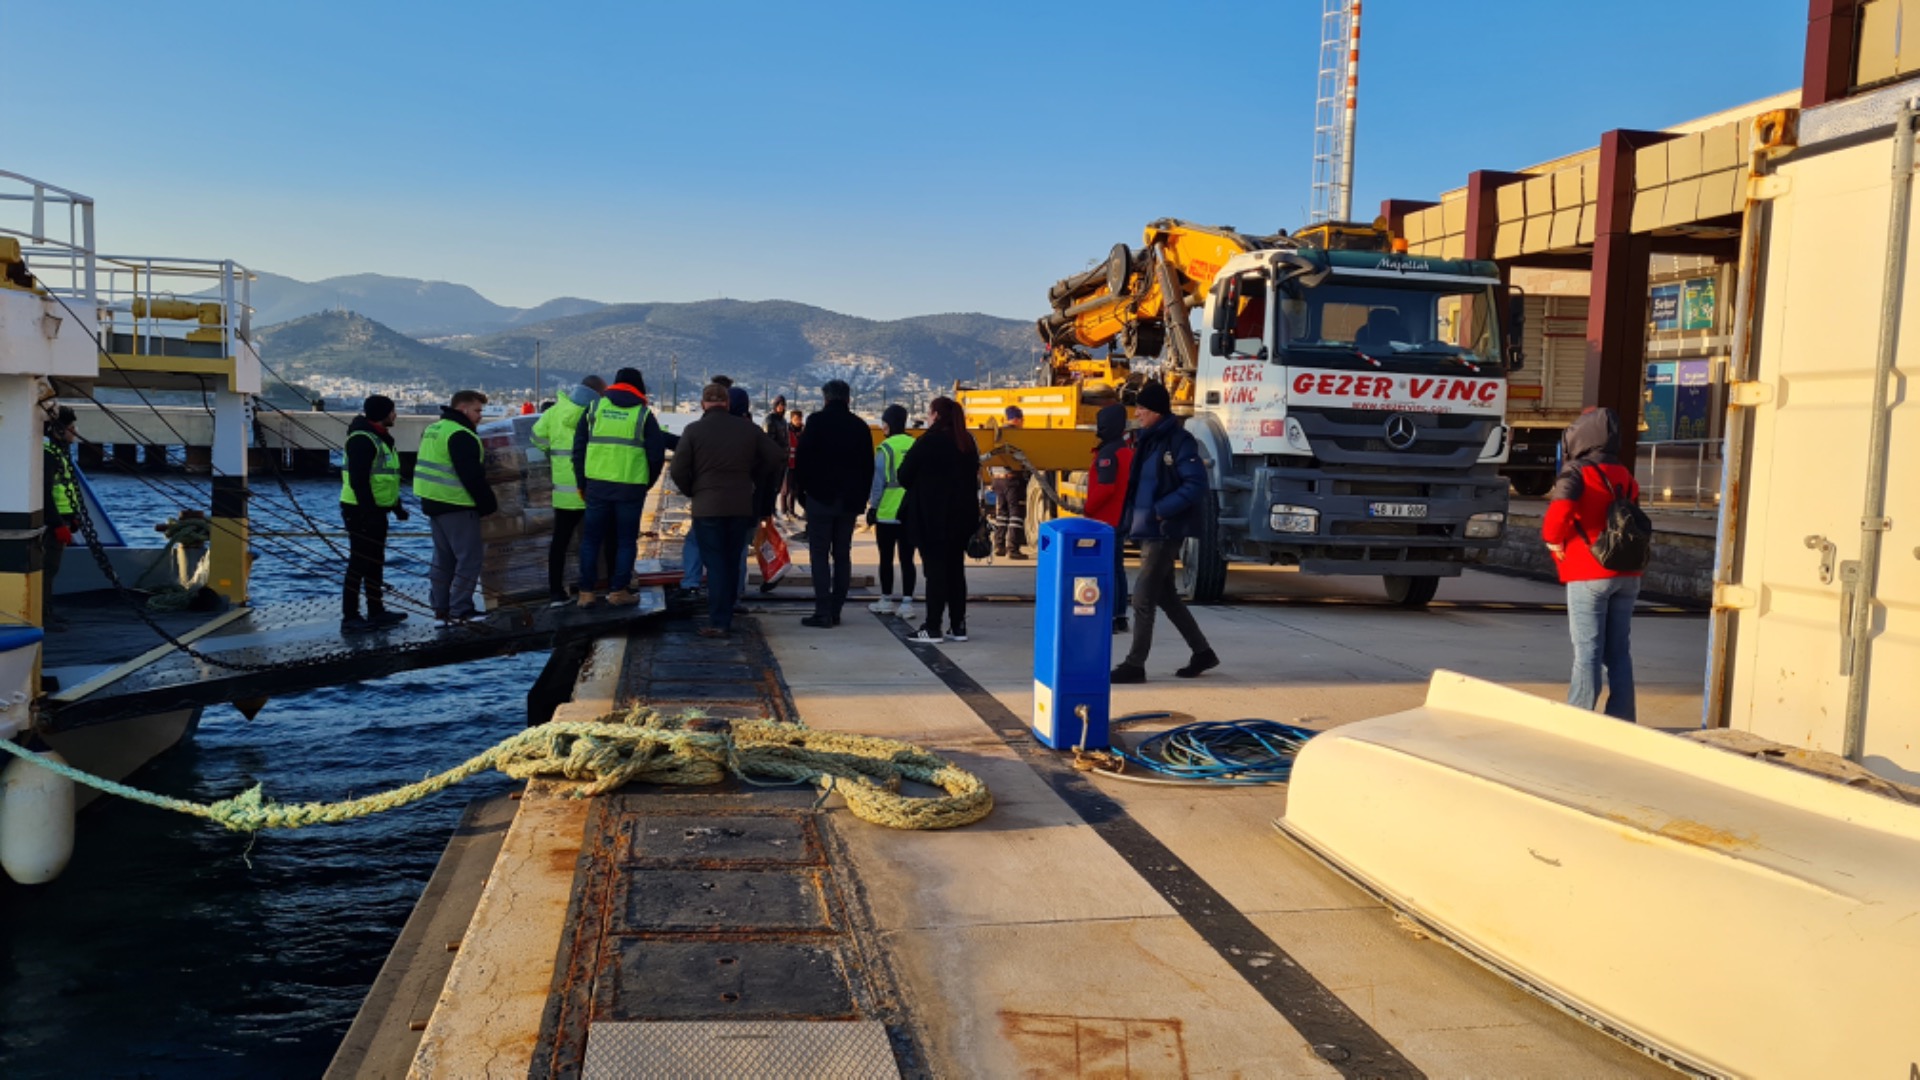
1664,308
1693,399
1658,413
1696,304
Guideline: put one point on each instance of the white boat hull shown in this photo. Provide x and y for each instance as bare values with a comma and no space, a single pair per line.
1726,915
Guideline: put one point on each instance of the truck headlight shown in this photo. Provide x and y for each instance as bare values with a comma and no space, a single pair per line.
1297,436
1287,518
1486,526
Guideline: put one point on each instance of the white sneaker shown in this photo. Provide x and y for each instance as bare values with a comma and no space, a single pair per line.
923,636
904,608
882,606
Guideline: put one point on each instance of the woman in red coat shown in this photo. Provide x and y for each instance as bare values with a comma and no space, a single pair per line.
1599,601
1107,496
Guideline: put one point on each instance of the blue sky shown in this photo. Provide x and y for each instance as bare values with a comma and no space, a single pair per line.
877,159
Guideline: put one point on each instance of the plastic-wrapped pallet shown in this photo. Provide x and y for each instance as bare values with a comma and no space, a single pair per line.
519,534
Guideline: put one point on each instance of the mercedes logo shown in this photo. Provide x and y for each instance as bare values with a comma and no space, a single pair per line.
1401,432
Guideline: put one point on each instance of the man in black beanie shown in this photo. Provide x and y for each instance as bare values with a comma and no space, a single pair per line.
369,491
1167,492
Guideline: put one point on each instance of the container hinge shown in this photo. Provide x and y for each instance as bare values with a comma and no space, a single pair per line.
1730,597
1750,393
1768,186
1827,552
1849,576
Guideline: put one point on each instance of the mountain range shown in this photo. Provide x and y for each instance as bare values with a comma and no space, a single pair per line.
409,305
404,331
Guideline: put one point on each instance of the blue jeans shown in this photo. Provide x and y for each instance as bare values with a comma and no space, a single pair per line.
623,518
723,543
1600,614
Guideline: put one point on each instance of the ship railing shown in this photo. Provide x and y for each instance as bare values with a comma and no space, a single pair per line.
55,228
1680,474
138,297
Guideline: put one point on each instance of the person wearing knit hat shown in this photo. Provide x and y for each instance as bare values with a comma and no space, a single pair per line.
1167,491
369,493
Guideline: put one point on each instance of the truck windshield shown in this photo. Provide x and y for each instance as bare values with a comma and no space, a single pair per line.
1390,325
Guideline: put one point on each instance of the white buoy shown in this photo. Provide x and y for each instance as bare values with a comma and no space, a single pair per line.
36,821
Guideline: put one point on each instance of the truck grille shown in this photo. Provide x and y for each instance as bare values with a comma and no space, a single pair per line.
1390,528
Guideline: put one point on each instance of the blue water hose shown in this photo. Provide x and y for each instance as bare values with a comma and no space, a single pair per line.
1213,752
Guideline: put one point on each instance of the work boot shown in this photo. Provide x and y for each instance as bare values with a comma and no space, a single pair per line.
1127,673
1016,555
999,551
354,624
1204,660
622,598
383,620
588,598
1121,626
818,622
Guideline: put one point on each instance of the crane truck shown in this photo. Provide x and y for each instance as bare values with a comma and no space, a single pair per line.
1350,399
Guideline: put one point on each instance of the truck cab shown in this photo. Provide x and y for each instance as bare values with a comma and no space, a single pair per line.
1352,404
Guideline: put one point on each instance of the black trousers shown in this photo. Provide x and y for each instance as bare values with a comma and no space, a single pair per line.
564,523
946,587
830,550
366,559
892,537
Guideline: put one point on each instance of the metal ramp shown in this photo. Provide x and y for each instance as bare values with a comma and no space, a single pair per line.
289,648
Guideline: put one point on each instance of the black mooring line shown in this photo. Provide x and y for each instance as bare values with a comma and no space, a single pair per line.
1335,1032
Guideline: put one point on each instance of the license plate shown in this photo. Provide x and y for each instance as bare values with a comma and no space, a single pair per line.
1397,510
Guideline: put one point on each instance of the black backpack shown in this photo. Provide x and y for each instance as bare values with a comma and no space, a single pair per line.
1627,544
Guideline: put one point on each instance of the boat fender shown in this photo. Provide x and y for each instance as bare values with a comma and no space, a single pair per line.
36,821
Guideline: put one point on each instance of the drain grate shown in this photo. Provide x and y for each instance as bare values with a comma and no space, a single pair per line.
855,1050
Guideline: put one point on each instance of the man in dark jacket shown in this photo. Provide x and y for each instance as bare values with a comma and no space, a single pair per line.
1107,496
618,451
1167,491
721,460
834,471
450,480
369,493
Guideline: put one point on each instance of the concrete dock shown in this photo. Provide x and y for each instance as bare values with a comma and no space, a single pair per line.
1087,927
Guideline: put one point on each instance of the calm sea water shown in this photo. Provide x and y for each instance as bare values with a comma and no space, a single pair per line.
173,948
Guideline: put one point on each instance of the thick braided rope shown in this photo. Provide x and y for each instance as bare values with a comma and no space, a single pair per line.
639,745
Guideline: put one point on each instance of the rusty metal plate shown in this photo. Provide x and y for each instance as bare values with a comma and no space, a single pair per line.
656,901
829,1049
661,979
756,838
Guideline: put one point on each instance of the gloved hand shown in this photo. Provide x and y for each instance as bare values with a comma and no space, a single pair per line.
400,512
63,534
873,517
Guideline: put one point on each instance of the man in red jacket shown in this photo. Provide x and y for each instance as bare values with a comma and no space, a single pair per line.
1107,496
1599,601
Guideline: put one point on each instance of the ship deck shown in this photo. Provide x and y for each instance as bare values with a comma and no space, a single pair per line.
1088,927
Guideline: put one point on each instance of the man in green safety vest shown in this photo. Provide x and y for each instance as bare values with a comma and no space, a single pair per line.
450,480
884,515
618,450
553,435
369,493
60,498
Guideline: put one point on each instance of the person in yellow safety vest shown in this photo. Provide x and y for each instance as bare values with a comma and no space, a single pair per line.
553,435
884,515
450,480
369,493
60,500
618,451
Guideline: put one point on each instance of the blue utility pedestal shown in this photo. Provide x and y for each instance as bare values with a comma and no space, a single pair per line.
1073,634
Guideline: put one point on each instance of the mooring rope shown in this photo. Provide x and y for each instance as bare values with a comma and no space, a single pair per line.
639,745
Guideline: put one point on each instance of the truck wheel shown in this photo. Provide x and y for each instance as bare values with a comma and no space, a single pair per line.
1039,512
1532,485
1202,576
1411,592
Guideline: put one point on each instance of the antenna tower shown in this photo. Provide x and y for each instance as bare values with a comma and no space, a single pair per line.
1333,113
